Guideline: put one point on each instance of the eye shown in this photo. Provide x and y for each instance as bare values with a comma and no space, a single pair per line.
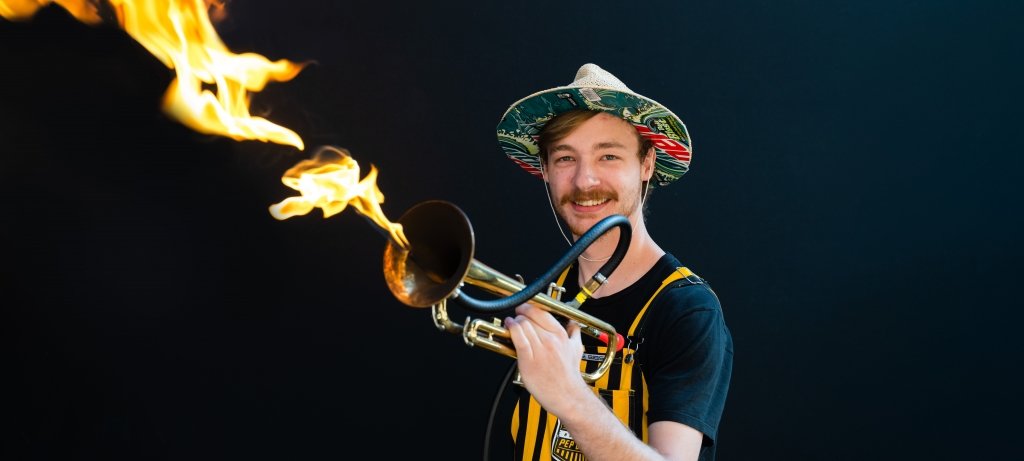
610,157
564,159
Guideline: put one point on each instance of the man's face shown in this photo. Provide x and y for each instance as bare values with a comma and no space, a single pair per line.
595,172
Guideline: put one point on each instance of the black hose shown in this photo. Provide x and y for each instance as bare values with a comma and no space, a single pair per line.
531,290
494,410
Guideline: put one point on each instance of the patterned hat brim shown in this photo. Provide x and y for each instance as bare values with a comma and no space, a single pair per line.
521,124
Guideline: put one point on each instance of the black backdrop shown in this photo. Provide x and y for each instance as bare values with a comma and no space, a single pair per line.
854,200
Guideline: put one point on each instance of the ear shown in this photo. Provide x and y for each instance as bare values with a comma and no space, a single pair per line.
647,166
543,171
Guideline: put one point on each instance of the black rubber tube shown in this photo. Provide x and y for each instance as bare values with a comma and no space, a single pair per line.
494,410
531,290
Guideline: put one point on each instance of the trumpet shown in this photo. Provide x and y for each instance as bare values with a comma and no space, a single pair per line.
439,261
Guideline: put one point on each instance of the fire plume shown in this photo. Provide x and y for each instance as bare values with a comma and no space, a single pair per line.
330,181
179,33
19,10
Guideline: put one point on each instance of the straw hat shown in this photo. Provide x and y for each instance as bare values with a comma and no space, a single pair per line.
595,88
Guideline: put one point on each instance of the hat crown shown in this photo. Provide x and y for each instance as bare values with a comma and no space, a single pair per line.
591,75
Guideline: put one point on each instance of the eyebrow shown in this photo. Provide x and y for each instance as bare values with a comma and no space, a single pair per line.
600,145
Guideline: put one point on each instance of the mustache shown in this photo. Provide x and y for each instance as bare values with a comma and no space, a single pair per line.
577,195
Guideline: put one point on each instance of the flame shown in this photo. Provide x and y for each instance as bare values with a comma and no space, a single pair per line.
179,33
20,10
330,181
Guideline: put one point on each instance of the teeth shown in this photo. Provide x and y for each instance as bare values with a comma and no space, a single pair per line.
591,202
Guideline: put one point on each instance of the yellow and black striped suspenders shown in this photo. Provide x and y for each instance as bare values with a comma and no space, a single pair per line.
623,391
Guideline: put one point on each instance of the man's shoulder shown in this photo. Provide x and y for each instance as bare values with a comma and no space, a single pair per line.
689,310
689,283
690,292
689,295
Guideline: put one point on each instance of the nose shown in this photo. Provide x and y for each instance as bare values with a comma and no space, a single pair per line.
585,176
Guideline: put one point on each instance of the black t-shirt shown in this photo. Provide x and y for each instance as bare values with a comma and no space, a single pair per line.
683,347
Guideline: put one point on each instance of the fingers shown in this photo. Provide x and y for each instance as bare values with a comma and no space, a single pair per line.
540,317
534,331
574,330
524,335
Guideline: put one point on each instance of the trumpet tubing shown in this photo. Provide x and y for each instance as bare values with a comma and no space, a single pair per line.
440,261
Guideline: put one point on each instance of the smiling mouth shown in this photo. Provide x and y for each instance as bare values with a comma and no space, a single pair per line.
590,203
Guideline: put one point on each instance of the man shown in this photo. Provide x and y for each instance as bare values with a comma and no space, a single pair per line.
598,146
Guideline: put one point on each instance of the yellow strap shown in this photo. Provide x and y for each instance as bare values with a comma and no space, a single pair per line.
561,278
582,295
680,272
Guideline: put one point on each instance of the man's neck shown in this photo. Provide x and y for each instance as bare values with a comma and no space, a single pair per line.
643,253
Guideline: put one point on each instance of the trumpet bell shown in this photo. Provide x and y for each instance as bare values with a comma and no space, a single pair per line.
440,251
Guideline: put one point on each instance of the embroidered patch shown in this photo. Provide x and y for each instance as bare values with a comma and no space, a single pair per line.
563,447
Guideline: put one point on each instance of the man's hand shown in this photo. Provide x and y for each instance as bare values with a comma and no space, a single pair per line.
549,358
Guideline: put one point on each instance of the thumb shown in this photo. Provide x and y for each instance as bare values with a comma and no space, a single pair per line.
574,331
575,338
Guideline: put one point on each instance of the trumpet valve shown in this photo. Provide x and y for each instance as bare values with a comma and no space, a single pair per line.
555,291
493,337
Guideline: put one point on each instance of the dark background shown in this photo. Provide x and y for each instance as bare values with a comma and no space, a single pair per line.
854,200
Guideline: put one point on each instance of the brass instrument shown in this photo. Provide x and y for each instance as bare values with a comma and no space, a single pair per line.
440,260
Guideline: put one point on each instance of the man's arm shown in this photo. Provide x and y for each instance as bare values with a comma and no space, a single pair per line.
548,360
